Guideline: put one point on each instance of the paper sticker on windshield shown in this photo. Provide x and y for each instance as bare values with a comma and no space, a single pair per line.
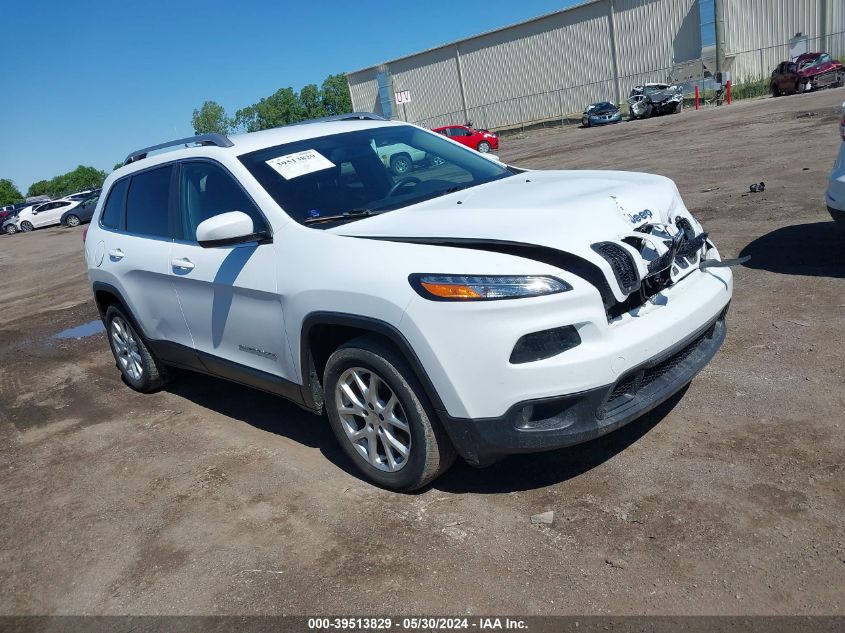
298,164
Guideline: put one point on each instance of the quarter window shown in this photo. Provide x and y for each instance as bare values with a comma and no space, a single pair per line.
147,203
207,190
113,211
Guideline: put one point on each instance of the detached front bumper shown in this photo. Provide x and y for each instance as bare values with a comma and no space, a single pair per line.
556,422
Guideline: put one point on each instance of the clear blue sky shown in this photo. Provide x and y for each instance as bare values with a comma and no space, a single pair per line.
87,82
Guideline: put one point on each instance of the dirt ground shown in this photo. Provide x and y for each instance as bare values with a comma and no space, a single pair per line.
209,498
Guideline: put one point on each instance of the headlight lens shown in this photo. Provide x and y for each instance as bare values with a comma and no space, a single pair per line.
485,288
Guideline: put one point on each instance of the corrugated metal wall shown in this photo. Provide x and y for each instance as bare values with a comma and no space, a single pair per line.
652,35
556,64
758,31
568,49
363,87
432,78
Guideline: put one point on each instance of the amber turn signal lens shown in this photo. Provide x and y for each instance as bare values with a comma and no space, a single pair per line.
451,291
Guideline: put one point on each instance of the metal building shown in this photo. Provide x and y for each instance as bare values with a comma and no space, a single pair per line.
555,64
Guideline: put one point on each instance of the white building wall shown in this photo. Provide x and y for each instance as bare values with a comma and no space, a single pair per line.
535,60
556,64
651,35
757,32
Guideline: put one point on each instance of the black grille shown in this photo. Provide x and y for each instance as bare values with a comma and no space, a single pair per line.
620,260
644,377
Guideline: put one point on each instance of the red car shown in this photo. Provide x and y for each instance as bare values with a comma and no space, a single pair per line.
810,71
482,140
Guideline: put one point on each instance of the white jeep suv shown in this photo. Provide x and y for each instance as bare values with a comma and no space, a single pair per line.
471,308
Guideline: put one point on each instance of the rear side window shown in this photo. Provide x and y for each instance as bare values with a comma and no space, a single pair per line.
113,210
148,201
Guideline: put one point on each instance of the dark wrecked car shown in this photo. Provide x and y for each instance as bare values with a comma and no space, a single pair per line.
654,99
810,71
600,113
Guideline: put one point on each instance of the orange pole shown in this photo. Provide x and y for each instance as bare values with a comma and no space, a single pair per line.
696,97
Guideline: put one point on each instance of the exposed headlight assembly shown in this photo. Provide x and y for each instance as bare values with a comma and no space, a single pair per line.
484,287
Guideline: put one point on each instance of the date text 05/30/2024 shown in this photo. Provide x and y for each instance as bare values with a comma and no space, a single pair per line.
420,623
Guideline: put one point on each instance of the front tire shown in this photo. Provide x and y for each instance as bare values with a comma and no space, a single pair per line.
133,358
26,226
72,220
10,229
484,147
774,90
382,418
401,165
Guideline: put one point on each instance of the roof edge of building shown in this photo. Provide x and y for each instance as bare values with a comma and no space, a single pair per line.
474,37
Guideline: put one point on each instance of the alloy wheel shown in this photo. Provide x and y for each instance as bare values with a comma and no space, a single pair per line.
373,419
72,220
126,348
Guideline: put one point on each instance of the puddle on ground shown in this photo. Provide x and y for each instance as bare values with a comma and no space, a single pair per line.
81,331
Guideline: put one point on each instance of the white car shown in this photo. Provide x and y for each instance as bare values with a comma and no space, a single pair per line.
835,196
40,215
471,308
401,158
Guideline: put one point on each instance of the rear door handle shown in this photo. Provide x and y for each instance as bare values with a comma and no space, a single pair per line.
116,254
182,264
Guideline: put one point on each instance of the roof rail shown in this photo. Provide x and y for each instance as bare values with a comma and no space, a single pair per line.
349,116
203,139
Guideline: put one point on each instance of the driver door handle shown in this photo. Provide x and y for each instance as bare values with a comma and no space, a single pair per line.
182,264
116,254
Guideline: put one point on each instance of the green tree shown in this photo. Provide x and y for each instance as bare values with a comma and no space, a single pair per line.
8,192
211,117
247,119
311,102
117,165
280,108
38,188
335,95
82,177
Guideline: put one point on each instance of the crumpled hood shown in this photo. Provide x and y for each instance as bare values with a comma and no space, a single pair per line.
561,209
564,210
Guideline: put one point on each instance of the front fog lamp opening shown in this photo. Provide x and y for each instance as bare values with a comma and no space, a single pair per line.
544,344
485,287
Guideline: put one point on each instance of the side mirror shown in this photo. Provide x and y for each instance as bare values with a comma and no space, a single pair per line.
226,229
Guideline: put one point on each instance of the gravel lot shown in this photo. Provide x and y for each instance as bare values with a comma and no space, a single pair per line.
209,498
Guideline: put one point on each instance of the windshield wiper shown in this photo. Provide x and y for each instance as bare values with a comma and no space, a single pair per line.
352,214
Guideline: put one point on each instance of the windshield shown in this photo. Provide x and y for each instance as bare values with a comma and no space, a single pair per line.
814,61
343,177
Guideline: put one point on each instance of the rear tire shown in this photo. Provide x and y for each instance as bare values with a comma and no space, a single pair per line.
774,90
72,220
362,409
26,226
139,368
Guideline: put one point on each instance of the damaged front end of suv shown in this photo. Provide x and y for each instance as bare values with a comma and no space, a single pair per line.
653,100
